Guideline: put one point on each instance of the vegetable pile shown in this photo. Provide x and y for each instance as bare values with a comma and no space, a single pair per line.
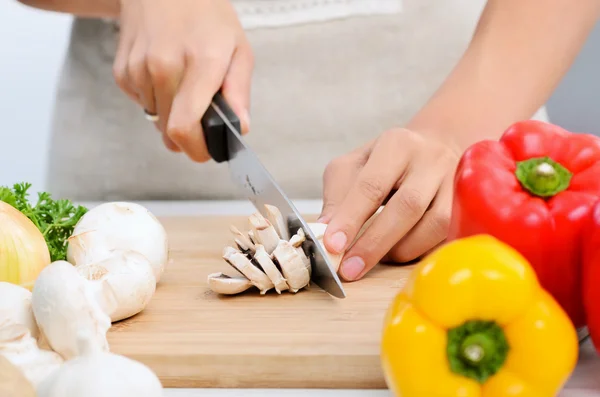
495,310
266,257
105,266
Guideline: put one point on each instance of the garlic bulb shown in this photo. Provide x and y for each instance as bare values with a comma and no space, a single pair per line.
15,307
19,347
119,225
12,381
94,373
24,250
64,303
130,277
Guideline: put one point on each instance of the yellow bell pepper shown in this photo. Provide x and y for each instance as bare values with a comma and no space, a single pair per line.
473,321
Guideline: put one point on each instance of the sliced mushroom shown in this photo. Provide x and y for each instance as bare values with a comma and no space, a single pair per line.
242,264
318,230
252,237
263,232
264,260
297,240
268,257
294,268
274,216
243,242
227,285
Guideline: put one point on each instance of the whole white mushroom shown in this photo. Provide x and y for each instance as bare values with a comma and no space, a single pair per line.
97,373
64,303
20,348
15,307
130,278
119,226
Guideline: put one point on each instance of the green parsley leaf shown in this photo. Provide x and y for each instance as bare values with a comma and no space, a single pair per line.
56,219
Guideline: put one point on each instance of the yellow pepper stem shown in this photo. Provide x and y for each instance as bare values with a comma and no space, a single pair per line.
477,349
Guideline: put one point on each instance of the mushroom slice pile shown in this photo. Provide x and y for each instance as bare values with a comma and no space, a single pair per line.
267,257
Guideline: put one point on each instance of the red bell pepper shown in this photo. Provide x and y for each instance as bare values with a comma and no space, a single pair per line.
533,189
591,275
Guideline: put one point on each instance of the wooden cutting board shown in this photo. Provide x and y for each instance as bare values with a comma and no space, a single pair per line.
192,337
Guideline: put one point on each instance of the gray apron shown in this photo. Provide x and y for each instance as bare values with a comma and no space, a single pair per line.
319,90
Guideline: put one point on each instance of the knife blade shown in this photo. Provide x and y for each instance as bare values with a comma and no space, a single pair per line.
225,143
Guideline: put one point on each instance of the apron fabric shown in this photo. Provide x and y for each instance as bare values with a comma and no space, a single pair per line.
319,90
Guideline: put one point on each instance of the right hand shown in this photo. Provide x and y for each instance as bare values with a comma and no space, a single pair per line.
173,56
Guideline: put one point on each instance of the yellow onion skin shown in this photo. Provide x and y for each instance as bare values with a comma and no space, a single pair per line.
23,249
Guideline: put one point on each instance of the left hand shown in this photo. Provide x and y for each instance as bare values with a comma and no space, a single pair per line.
414,172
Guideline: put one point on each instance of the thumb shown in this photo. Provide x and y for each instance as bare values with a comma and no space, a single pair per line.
237,83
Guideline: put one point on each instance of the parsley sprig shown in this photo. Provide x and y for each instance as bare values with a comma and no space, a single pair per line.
55,219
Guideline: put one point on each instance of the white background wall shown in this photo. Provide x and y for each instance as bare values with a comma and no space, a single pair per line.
32,46
33,43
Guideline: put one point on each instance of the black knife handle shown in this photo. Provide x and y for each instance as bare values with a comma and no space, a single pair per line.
215,130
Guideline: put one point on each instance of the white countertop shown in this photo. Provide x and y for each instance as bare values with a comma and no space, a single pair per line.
584,382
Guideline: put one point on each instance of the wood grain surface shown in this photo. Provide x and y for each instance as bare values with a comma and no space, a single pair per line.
192,337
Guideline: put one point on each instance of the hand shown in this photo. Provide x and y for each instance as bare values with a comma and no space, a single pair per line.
173,56
414,173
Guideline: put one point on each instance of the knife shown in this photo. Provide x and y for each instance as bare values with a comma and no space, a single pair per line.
224,142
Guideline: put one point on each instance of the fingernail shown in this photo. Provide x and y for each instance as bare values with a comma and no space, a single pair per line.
352,267
321,219
338,242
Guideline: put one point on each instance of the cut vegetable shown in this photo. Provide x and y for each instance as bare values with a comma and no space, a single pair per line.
270,269
294,268
318,230
227,285
243,242
267,258
263,232
274,216
242,264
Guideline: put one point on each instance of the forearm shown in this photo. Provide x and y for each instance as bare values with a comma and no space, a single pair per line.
518,55
81,8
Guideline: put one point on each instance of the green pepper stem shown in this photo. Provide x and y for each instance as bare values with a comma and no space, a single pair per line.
477,349
542,176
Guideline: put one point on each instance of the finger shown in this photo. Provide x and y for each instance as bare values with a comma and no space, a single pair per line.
237,84
199,84
139,77
431,230
169,144
338,177
165,68
119,69
371,187
402,212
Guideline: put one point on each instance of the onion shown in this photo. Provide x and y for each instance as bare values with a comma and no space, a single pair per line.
23,249
119,226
